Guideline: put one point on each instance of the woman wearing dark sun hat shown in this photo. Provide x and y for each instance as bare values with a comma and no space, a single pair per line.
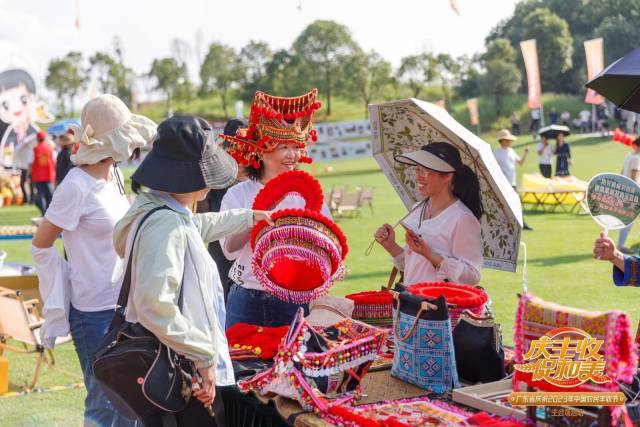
171,258
443,235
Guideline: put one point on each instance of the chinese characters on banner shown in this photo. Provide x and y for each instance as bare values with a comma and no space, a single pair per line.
613,200
530,55
593,50
474,117
565,358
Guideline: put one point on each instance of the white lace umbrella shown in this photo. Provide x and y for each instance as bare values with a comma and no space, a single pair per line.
404,126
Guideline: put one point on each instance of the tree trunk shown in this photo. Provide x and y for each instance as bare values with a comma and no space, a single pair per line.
367,100
328,73
445,94
498,105
223,96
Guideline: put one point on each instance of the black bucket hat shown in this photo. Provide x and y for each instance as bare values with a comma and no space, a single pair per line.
185,158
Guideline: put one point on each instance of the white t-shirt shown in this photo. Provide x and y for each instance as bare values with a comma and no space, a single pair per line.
535,114
632,162
87,209
456,236
242,195
507,159
585,115
547,153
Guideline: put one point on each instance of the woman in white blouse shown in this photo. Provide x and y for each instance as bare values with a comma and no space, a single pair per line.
443,233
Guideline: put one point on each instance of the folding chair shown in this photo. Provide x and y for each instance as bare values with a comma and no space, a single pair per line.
20,321
335,196
366,197
350,202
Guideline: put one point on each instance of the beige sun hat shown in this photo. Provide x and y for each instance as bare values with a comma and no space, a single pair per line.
109,129
328,310
507,135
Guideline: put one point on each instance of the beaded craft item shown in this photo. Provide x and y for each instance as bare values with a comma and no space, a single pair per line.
274,120
302,255
320,367
535,317
414,412
372,307
459,297
253,340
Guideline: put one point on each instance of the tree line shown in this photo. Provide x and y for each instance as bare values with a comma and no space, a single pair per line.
326,56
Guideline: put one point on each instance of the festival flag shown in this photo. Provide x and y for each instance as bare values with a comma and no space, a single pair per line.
530,55
77,21
454,6
472,105
594,51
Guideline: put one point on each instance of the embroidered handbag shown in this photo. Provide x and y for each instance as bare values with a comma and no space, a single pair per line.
424,353
319,367
479,352
141,376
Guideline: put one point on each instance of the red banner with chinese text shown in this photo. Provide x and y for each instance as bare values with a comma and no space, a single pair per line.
594,52
530,56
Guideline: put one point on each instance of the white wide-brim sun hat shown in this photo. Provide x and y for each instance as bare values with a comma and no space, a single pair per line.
109,129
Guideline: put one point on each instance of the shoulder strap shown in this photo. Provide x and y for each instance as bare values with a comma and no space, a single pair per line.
392,278
123,298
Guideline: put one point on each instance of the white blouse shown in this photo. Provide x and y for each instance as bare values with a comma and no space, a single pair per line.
455,235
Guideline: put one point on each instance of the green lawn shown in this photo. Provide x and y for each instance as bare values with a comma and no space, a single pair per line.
560,268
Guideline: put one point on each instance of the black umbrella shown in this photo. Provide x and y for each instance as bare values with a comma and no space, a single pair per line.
551,132
620,82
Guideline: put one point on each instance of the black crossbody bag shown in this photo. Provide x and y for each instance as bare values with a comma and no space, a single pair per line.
141,376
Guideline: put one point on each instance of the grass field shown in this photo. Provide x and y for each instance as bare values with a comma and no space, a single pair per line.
560,268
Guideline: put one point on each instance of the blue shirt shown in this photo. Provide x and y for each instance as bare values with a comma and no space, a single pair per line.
630,276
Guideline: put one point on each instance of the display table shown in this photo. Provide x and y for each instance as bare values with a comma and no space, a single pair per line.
547,194
376,386
21,277
549,200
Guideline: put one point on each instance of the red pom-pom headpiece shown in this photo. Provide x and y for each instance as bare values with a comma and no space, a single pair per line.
272,121
302,255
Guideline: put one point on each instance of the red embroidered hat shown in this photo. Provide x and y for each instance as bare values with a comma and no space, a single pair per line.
302,255
272,121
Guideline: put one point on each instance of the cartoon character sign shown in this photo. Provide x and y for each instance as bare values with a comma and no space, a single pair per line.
19,111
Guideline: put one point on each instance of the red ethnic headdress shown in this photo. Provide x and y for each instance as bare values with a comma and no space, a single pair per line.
302,255
272,121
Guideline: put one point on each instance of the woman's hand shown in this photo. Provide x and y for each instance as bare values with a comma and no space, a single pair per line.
207,391
417,244
262,215
385,235
605,249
